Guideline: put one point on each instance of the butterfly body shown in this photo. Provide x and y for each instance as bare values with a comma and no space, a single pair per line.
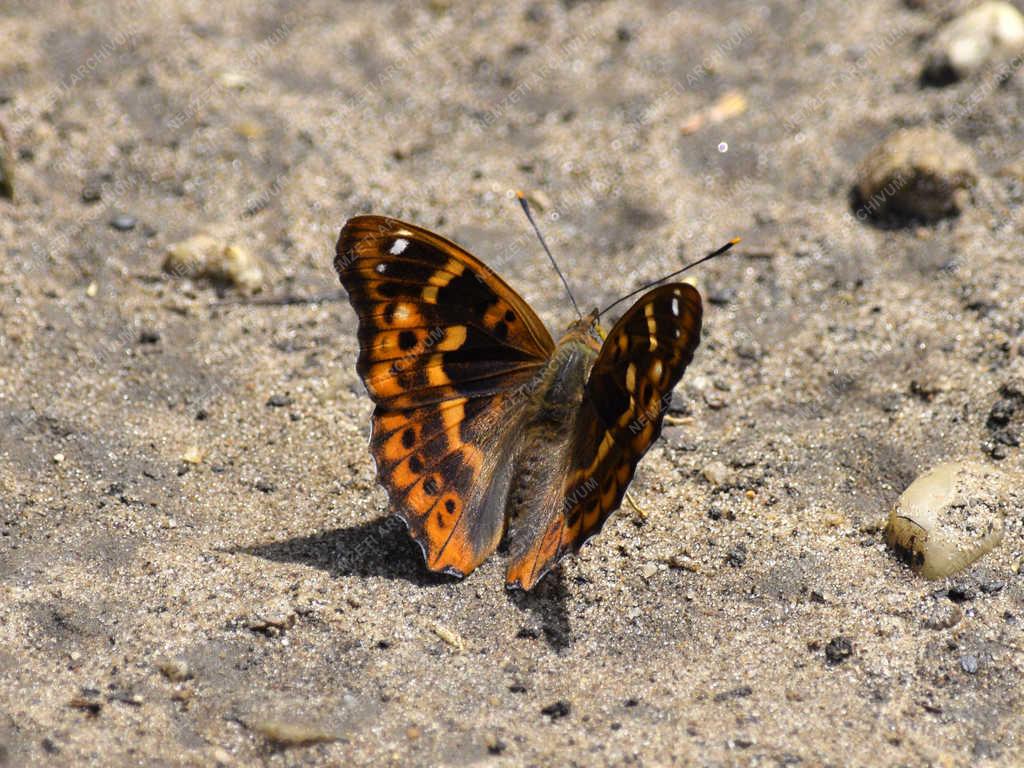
484,426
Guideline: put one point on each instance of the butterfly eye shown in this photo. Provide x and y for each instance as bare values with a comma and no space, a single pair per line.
510,316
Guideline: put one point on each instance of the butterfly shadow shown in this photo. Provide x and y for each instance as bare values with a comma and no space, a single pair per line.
546,602
374,548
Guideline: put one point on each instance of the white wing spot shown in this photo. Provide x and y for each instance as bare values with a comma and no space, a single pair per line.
675,306
398,246
382,268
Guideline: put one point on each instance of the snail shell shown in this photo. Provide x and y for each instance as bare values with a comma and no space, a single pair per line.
945,520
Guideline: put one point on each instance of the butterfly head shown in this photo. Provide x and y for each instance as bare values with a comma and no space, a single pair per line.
586,327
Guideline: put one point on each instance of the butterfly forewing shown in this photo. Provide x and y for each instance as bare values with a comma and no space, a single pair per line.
444,346
642,359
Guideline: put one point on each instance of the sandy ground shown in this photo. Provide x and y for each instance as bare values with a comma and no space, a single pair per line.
760,621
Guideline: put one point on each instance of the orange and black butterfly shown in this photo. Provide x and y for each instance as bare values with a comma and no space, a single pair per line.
483,425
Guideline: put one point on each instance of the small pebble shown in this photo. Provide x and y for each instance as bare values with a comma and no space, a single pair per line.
58,458
838,650
720,297
174,670
193,455
922,173
991,587
714,400
6,166
494,744
941,615
988,34
224,263
748,351
948,518
969,664
737,556
123,222
290,733
149,337
557,710
279,401
221,756
716,473
961,593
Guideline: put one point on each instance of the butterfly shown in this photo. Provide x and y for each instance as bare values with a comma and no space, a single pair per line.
484,427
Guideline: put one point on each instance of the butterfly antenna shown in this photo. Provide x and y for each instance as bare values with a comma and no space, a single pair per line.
651,284
526,209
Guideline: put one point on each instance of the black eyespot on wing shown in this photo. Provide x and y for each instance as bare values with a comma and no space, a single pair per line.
406,340
467,290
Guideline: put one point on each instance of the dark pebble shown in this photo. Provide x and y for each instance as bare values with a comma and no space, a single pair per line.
1008,437
631,702
49,746
996,451
722,296
736,693
517,688
961,593
557,710
969,664
279,401
716,512
91,194
149,337
202,415
264,487
1001,413
123,222
891,402
748,351
737,556
838,650
991,587
496,746
680,404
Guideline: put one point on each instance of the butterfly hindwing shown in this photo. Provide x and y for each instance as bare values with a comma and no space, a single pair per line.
445,348
624,401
